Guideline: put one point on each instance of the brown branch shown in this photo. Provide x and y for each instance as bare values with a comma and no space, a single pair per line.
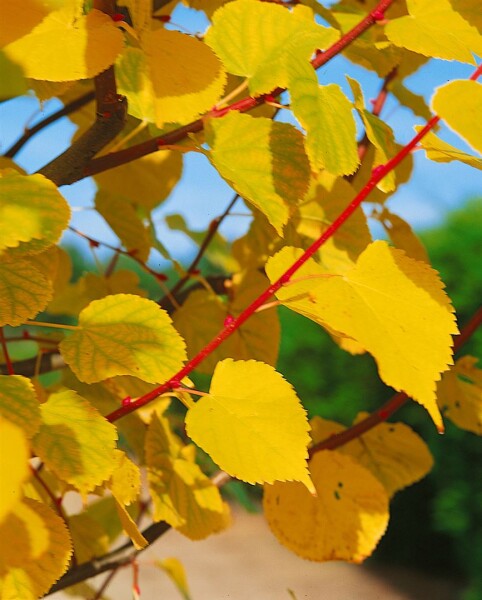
111,113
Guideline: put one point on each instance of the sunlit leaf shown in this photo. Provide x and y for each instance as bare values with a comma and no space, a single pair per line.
265,162
14,467
33,213
252,424
344,521
435,29
19,404
253,39
125,481
402,235
67,47
459,395
394,306
124,335
182,495
38,554
75,441
440,151
447,102
130,528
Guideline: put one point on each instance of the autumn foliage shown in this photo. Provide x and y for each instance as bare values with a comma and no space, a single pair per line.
123,401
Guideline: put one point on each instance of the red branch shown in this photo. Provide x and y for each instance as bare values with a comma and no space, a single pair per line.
115,159
377,175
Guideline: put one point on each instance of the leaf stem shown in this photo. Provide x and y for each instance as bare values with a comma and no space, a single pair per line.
51,325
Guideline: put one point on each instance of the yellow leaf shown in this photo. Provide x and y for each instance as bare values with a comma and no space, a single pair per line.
252,424
124,335
402,235
258,338
13,82
33,213
19,18
39,553
75,441
435,29
407,98
125,481
344,521
459,395
88,537
265,162
65,47
258,244
254,39
187,77
392,305
122,217
176,573
459,104
133,81
19,404
327,116
439,151
181,494
140,12
14,467
130,527
24,290
147,181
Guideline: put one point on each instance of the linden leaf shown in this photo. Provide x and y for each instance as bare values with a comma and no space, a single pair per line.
125,481
130,528
440,151
265,162
124,335
392,305
14,466
187,77
393,452
252,424
435,29
33,213
346,519
122,217
75,441
181,494
24,290
254,40
19,404
327,115
39,553
459,395
67,47
447,102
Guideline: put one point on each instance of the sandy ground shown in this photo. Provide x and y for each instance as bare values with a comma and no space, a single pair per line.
247,563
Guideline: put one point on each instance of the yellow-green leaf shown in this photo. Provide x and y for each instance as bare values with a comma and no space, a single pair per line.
13,82
402,235
19,404
124,335
38,554
459,395
66,47
252,424
14,467
392,305
459,104
327,116
254,39
24,290
130,528
435,29
33,213
440,151
88,537
125,481
181,494
75,441
265,162
344,521
187,77
176,573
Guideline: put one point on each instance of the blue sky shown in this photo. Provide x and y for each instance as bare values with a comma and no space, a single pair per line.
433,191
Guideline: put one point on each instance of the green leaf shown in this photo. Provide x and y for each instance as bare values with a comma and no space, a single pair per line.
459,104
124,335
265,162
252,424
19,404
75,441
33,213
327,115
13,82
254,39
435,29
